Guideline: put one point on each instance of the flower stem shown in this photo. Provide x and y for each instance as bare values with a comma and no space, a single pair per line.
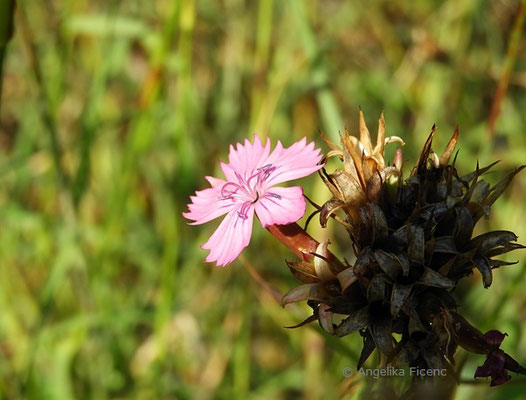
509,62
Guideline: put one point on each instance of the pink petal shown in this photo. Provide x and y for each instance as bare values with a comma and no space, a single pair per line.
294,162
245,158
215,181
230,173
285,209
207,204
232,236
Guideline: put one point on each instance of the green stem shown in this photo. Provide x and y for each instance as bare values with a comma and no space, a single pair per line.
509,62
46,107
7,9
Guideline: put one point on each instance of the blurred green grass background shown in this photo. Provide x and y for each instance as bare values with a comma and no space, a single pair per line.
113,111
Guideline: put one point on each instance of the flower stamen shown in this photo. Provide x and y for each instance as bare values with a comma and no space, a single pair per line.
229,194
244,208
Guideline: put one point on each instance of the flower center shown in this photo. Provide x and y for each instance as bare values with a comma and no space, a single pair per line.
250,190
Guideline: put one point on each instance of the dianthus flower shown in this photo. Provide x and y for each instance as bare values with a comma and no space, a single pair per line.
251,175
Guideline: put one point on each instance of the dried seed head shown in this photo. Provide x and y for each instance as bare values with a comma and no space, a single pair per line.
413,243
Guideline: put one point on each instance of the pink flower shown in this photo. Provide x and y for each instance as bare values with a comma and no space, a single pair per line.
251,173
